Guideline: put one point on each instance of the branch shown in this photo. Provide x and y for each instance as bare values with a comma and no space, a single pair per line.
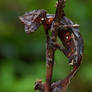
50,50
60,10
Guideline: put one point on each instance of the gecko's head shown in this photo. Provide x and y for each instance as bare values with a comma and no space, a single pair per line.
32,20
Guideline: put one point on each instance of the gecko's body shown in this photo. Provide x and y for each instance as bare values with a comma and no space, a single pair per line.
69,34
70,37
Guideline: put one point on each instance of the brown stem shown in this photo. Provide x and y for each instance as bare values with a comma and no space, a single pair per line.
49,64
50,50
50,59
49,67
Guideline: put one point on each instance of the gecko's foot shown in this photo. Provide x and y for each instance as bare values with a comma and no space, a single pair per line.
39,86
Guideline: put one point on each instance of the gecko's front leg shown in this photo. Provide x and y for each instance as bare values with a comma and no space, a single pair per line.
56,46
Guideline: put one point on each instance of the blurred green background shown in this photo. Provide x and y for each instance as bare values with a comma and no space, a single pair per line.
22,56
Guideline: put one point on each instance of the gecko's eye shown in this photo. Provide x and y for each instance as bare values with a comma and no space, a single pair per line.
42,19
67,36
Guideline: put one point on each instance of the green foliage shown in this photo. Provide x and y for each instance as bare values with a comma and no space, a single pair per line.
22,56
